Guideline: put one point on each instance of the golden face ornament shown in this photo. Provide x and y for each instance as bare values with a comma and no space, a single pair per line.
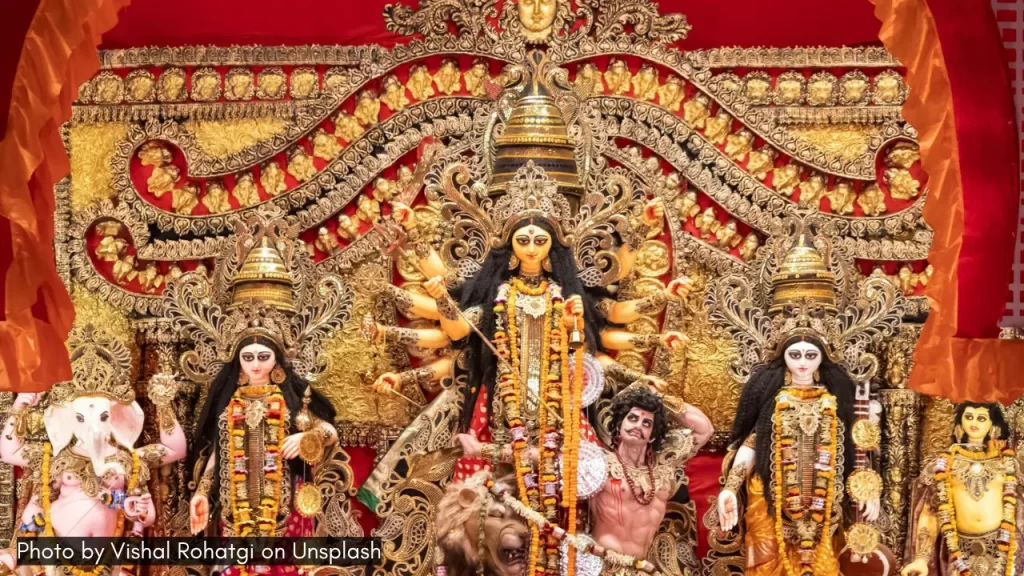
537,18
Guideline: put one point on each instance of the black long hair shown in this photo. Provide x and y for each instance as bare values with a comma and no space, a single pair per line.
995,414
482,289
223,387
757,407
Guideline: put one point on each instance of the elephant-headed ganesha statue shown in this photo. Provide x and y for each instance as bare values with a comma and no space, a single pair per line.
87,478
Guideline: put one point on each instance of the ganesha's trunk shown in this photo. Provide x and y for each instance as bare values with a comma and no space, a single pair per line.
94,443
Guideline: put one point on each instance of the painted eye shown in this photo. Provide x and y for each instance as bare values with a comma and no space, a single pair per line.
247,357
523,241
540,241
79,417
104,417
811,355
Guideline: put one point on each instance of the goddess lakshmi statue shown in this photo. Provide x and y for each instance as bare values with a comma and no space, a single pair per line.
261,426
87,479
794,440
966,504
529,261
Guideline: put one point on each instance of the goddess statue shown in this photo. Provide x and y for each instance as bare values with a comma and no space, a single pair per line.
793,443
529,311
966,503
261,426
87,479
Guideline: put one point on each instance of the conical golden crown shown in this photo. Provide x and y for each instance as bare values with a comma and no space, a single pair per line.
263,277
536,130
803,277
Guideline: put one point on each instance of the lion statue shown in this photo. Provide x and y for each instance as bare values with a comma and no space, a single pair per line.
506,535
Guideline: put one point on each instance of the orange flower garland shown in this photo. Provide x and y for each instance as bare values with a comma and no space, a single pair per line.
821,512
1007,539
133,480
242,515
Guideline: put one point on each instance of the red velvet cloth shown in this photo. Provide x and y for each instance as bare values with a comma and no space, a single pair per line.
715,24
987,141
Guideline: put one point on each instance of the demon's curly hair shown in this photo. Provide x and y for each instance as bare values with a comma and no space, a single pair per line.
756,409
644,400
995,413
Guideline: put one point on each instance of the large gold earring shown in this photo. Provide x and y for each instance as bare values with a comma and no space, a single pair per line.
513,262
243,379
817,376
789,378
277,375
958,432
996,433
547,265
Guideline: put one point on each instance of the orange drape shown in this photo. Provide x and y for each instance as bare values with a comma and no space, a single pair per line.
59,54
947,362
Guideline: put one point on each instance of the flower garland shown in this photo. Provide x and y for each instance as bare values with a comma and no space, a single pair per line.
786,475
508,390
583,544
1007,536
571,407
538,489
133,480
241,512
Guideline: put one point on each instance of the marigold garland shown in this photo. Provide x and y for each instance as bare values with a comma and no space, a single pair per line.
785,466
538,488
242,514
133,480
1007,536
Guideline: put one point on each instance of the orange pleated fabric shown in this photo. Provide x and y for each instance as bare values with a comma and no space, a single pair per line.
59,54
946,364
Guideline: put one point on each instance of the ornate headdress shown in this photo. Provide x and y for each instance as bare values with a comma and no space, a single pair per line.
535,154
798,288
265,286
536,132
101,365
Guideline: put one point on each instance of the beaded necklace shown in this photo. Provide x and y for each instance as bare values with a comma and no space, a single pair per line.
1007,535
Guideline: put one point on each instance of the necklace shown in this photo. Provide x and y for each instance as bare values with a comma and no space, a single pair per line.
532,281
640,493
976,474
1007,534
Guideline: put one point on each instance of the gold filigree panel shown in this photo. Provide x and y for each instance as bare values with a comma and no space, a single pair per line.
351,370
224,138
91,147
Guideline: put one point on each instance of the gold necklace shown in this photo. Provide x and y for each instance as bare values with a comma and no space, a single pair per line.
976,474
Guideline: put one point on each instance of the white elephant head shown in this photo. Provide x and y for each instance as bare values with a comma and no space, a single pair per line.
97,406
93,421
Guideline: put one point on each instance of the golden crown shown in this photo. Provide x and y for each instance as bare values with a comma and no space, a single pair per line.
100,366
265,285
536,132
797,289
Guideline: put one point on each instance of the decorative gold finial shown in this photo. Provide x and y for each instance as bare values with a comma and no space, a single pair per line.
803,278
264,277
536,130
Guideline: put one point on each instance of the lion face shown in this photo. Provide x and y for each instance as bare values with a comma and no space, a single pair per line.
506,536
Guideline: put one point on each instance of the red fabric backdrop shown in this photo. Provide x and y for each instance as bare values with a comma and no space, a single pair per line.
715,24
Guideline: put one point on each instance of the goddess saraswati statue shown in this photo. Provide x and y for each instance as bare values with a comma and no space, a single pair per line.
531,252
797,444
262,426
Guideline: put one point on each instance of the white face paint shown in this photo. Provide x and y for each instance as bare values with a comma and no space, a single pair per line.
257,361
802,360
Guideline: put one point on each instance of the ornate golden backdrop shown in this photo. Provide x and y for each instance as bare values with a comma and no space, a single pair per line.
167,144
